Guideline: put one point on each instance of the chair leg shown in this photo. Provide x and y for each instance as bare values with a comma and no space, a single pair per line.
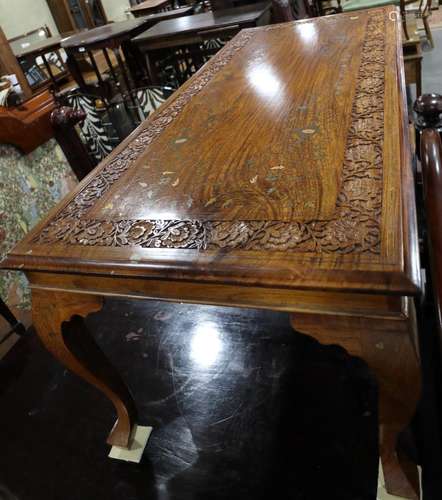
428,31
404,24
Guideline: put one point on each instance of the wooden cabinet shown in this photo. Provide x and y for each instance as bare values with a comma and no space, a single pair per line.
72,15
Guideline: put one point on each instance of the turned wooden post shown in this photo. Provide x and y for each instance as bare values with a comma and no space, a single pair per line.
429,127
428,108
63,120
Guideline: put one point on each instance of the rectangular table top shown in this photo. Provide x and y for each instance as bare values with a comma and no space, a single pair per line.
167,14
239,16
22,48
148,5
284,162
111,31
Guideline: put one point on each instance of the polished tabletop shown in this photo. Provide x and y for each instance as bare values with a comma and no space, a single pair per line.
169,14
149,4
283,163
22,48
207,20
105,32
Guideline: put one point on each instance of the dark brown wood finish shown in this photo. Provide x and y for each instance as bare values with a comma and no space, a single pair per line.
429,109
188,29
431,160
30,51
151,6
109,35
114,36
167,14
277,177
35,49
63,120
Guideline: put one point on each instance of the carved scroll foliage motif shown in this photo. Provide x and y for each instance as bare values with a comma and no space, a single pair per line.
355,226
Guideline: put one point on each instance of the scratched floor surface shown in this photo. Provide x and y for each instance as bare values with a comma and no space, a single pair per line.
242,408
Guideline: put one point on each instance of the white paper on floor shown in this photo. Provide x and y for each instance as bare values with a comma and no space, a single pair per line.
134,453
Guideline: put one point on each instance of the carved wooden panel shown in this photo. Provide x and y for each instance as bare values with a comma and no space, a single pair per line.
353,225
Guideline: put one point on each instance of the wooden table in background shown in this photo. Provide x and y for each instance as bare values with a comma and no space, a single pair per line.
278,177
151,7
189,29
111,36
167,14
36,49
194,29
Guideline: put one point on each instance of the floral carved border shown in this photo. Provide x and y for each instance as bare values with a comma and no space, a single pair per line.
354,227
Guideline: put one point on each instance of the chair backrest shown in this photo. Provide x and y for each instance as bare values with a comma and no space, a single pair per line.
149,99
107,123
97,131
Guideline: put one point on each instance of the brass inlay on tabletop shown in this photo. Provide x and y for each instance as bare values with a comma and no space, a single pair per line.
355,226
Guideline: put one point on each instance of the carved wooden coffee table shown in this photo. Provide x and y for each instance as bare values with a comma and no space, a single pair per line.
278,177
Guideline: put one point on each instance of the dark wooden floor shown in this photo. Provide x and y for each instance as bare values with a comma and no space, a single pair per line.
242,408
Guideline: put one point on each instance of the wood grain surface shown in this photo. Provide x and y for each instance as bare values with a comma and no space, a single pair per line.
283,162
277,177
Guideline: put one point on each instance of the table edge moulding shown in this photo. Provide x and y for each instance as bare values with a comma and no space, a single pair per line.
349,279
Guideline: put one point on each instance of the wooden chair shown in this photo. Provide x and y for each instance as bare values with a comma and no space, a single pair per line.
103,124
97,131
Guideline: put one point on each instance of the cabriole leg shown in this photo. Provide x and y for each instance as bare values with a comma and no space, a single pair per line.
388,346
58,319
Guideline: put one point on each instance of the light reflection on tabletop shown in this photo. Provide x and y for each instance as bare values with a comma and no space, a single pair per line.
265,81
308,32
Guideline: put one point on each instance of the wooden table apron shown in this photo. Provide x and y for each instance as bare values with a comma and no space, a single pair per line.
278,177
